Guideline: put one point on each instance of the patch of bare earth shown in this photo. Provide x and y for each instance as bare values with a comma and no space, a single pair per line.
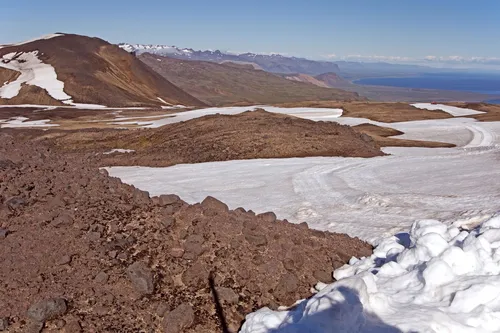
8,75
82,252
384,137
29,94
249,135
377,111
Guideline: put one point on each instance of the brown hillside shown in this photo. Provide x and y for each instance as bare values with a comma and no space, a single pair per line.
96,72
332,80
306,79
249,135
221,84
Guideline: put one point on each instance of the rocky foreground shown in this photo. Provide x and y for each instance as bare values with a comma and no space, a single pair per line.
82,252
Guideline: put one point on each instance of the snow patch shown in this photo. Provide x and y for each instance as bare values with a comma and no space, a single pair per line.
436,278
119,150
49,36
33,72
22,122
453,110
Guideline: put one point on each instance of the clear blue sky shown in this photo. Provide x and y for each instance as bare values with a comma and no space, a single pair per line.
312,28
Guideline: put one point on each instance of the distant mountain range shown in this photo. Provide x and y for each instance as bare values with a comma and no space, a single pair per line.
276,63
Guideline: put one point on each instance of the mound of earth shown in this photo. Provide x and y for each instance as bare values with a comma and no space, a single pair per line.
87,70
82,252
222,84
249,135
383,136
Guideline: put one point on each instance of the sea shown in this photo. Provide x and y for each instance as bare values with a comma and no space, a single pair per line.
484,83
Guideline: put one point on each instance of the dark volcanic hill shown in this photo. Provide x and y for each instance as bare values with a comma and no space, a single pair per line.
91,70
219,84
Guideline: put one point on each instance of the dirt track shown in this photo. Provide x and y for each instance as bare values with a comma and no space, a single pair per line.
86,253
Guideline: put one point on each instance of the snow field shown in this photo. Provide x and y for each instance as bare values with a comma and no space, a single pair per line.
453,110
367,198
23,122
437,278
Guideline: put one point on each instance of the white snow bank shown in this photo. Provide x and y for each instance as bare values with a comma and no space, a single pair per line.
49,36
33,72
306,113
437,278
368,198
453,110
119,150
21,122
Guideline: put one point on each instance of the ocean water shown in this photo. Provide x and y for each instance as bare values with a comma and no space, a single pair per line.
484,83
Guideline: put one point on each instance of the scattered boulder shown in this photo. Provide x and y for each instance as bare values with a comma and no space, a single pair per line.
181,318
101,277
211,203
141,277
15,203
227,295
3,233
47,309
268,217
168,199
4,323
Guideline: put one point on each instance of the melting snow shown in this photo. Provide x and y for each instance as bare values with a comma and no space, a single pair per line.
21,122
453,110
49,36
121,151
33,72
437,278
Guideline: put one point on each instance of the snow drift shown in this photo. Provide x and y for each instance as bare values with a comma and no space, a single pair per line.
437,278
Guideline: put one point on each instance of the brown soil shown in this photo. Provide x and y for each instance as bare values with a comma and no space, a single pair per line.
222,84
383,136
82,252
377,111
96,72
8,75
249,135
492,110
31,95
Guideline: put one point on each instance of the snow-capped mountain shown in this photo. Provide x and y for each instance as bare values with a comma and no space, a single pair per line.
275,63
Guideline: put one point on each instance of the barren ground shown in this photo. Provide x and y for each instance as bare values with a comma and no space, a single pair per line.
114,260
250,135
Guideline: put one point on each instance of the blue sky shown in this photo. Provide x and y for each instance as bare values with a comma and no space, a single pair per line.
314,28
